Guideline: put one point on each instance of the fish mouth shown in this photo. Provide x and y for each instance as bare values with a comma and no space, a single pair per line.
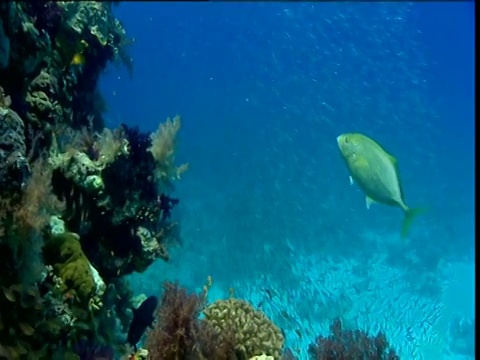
341,144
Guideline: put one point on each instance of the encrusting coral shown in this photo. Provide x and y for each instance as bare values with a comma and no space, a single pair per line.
65,254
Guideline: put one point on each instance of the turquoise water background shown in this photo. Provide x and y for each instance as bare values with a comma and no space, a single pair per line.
264,89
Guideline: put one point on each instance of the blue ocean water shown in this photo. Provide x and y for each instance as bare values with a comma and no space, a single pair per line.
264,89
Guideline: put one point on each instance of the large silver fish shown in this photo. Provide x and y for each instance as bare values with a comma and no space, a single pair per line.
376,172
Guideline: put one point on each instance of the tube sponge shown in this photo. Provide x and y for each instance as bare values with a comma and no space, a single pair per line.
254,333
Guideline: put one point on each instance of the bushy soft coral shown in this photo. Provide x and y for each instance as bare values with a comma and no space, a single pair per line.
38,202
351,345
163,142
179,334
23,217
174,334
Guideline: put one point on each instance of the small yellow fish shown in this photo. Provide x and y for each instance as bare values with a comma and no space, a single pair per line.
376,172
78,59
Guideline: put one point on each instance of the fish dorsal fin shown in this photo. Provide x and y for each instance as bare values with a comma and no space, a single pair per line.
392,159
369,201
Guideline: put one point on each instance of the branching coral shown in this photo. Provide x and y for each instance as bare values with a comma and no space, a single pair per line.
162,147
351,345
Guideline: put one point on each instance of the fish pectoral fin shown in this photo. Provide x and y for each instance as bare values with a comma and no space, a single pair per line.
351,180
369,201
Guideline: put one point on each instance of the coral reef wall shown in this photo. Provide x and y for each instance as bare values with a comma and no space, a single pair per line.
81,205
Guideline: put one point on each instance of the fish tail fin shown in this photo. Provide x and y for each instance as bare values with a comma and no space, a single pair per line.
410,215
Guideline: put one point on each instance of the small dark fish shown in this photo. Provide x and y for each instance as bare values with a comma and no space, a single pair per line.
269,296
285,315
269,293
142,318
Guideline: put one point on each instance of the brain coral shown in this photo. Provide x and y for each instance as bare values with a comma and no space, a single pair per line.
254,334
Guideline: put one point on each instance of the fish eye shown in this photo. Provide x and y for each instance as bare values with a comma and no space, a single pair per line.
346,140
